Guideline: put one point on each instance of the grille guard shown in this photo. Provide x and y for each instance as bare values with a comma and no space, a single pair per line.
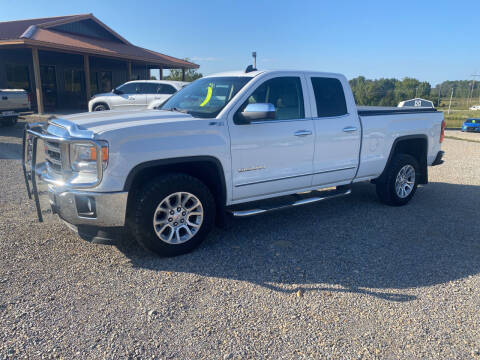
31,169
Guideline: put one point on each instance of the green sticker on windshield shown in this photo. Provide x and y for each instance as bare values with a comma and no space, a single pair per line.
209,95
473,121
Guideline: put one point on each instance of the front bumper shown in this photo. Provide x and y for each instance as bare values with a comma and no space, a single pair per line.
106,209
75,206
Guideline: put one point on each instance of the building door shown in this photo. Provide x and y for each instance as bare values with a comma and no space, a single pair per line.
49,86
74,89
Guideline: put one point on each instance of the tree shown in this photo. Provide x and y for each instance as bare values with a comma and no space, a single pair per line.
190,74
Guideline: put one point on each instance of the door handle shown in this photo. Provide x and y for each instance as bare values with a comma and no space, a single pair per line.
350,129
303,133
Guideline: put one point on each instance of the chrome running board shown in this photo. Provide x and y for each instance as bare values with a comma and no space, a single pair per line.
260,207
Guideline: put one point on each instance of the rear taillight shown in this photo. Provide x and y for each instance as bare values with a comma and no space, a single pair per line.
442,133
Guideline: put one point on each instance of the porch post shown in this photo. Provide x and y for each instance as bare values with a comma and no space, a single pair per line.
183,74
129,71
86,67
38,80
161,73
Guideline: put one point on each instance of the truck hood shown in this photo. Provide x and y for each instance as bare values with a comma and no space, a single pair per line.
98,122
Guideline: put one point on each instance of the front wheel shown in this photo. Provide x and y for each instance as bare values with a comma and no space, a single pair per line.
100,107
400,182
173,214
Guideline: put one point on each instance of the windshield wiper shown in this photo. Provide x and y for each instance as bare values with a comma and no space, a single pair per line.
177,110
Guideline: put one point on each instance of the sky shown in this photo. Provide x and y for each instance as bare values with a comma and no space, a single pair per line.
429,40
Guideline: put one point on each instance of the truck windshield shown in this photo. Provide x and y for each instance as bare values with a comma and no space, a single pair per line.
206,97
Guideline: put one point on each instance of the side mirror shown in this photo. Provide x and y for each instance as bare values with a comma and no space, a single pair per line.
117,92
254,112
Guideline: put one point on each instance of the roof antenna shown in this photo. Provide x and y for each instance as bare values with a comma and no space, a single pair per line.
251,68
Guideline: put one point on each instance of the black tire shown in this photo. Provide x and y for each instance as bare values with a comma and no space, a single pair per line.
100,107
13,120
151,195
386,189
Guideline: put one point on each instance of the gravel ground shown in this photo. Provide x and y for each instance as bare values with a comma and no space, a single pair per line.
471,136
345,279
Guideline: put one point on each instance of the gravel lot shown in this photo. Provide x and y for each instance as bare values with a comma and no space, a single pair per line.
350,278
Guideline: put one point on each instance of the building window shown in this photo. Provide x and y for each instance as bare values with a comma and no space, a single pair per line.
18,77
73,81
100,82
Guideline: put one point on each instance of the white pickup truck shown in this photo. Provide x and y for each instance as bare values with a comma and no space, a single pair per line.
242,143
11,102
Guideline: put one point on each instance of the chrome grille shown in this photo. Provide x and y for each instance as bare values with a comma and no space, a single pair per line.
53,154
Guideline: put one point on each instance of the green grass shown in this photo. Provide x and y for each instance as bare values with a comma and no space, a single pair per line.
456,118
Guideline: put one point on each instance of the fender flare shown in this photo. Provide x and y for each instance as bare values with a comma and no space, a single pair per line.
172,161
393,149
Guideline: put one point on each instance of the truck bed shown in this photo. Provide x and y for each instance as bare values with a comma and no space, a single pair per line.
387,110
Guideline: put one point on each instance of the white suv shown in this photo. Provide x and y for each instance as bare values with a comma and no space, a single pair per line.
136,95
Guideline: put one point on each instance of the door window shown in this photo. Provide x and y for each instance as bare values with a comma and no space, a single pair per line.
130,88
147,88
166,89
329,97
285,93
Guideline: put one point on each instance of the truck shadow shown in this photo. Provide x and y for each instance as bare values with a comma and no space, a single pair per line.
353,244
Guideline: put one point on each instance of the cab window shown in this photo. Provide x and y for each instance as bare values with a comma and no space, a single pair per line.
329,97
285,93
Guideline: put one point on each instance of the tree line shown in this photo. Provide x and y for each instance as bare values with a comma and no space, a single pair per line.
389,92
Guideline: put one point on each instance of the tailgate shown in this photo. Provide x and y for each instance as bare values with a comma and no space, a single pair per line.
13,100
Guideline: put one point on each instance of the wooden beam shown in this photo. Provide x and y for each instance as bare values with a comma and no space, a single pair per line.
38,81
129,71
86,69
161,74
183,74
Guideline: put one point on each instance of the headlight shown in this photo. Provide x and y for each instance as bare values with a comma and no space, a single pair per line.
83,157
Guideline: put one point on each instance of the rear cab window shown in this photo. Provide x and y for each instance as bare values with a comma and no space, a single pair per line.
329,97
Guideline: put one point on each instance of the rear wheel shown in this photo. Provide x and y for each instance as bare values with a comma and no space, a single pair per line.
173,214
400,182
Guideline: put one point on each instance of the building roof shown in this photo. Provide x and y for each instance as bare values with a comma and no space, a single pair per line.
81,34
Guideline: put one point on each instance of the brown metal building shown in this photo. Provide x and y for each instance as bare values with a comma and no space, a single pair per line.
62,61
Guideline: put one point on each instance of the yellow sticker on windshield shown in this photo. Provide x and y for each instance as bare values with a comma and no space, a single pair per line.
209,95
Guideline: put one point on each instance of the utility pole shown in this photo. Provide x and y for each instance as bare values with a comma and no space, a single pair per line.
439,94
471,92
449,105
254,55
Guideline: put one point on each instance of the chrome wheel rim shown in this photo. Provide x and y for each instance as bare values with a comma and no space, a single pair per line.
178,218
405,181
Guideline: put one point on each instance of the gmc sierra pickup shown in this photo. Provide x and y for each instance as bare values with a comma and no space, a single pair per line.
242,143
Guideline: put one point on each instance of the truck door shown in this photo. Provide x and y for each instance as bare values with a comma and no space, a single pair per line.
337,130
273,155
